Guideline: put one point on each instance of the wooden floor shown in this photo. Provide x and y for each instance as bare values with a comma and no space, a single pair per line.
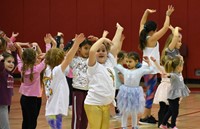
189,114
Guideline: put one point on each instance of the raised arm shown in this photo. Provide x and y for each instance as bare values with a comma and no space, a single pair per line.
70,55
117,42
144,18
175,38
94,48
157,35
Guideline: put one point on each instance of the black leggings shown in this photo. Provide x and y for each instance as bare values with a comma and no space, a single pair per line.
162,111
30,110
172,111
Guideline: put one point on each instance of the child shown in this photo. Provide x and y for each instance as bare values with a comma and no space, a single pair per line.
58,95
130,98
173,43
171,49
80,85
119,80
149,37
30,86
101,80
162,92
7,65
174,67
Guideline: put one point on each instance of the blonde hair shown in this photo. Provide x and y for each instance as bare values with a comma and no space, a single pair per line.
54,57
172,63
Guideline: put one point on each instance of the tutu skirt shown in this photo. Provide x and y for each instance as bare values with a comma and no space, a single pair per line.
162,91
131,99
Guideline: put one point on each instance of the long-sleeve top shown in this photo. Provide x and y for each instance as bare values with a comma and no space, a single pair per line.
28,87
6,91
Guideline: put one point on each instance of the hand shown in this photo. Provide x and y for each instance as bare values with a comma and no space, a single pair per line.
60,34
47,39
79,38
92,38
170,10
15,35
105,33
150,10
146,59
153,59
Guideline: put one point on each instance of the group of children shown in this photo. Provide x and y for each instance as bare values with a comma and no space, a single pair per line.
99,68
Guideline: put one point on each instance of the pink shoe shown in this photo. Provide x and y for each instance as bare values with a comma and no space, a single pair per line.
163,126
175,127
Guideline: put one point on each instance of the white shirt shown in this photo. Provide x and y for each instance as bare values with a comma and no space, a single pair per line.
154,52
58,99
101,83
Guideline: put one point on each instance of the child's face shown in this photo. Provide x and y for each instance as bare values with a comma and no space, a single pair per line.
9,63
84,51
131,63
179,43
102,54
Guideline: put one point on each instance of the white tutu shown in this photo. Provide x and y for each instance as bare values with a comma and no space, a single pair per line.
161,94
131,99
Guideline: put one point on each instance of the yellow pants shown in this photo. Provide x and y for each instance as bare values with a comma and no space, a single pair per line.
98,116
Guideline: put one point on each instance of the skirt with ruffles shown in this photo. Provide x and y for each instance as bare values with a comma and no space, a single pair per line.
162,91
131,99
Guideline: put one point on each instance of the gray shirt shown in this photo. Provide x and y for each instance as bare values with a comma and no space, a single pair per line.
178,88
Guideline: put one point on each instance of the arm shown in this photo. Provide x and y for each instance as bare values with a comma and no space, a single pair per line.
144,18
117,42
158,65
175,38
157,35
93,50
70,55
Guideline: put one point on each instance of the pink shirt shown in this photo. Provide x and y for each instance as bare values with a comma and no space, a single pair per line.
28,87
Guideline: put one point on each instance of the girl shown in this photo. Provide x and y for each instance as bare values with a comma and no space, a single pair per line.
174,67
162,92
171,49
7,65
131,99
119,79
173,43
80,85
30,87
101,80
149,37
58,91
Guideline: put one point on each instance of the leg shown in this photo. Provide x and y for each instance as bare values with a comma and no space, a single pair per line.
4,120
134,120
161,113
124,119
106,117
175,110
95,115
55,121
116,109
150,84
79,118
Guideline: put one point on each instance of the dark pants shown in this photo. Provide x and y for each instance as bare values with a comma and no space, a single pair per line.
69,81
172,111
30,110
79,118
116,108
162,111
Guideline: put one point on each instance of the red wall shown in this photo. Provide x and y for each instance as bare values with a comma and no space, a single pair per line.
34,18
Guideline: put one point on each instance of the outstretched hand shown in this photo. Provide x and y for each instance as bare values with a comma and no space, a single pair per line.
170,10
105,33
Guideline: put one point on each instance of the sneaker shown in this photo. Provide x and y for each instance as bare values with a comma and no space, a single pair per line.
148,120
153,119
163,126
